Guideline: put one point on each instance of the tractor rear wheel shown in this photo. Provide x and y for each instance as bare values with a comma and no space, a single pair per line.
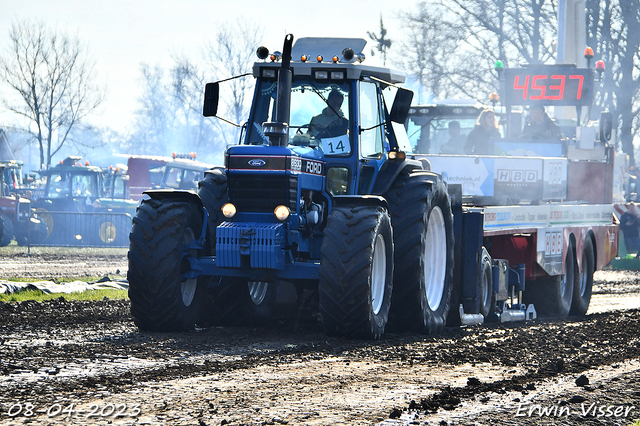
161,300
423,239
356,271
213,193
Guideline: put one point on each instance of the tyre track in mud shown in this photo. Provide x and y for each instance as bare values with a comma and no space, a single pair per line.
291,372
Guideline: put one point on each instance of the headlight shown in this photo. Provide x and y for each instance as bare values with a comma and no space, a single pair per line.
229,210
282,213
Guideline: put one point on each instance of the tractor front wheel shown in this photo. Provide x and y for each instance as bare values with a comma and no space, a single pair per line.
356,272
161,299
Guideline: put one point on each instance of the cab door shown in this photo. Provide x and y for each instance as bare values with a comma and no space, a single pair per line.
371,138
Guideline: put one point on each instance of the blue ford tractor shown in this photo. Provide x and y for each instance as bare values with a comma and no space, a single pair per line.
318,197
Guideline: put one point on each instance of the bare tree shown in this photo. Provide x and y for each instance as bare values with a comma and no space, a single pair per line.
614,32
170,107
439,54
52,76
187,85
456,42
232,54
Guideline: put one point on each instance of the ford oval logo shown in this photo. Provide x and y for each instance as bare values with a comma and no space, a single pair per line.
257,163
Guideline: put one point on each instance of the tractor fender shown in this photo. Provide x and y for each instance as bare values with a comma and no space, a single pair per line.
360,200
162,194
390,172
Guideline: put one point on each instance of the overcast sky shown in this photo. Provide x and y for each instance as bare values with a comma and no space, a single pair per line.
122,34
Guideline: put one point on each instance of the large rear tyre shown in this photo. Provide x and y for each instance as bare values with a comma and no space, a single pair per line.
214,194
424,243
552,296
356,272
584,283
160,299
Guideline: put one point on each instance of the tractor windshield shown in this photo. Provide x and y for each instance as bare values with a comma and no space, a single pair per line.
439,135
319,111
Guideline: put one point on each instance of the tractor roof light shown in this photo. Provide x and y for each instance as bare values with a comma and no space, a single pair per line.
319,58
262,52
269,73
275,56
229,210
335,59
282,213
304,58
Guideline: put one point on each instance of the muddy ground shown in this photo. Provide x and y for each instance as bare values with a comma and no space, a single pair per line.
86,363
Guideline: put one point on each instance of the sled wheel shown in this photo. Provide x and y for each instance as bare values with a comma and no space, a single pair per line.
485,286
552,296
584,283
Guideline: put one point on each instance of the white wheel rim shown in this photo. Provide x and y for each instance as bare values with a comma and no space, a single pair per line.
258,291
486,286
188,286
435,258
378,274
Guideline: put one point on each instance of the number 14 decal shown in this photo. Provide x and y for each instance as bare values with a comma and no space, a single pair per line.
336,146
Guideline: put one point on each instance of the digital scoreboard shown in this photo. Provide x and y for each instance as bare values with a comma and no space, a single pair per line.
549,85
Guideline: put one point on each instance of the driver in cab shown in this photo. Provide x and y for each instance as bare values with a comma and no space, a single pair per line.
331,122
540,125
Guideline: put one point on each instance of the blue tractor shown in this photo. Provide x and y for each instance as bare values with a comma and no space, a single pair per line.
318,197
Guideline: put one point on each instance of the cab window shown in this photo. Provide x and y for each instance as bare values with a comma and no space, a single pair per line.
371,139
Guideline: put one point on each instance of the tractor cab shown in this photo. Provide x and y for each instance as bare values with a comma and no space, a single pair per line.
183,171
70,186
331,132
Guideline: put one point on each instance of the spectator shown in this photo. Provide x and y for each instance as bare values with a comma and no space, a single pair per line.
455,144
630,227
540,125
478,141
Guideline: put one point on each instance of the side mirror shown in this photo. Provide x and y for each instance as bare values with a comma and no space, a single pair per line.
211,97
401,104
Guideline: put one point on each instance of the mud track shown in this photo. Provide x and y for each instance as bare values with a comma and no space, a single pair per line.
86,363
